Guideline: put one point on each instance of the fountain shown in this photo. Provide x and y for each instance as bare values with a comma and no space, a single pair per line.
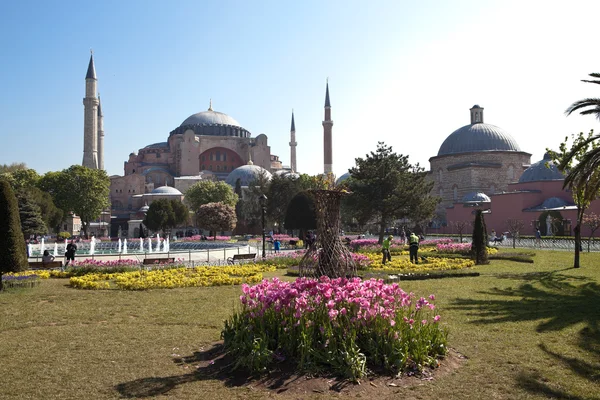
158,243
92,245
29,249
149,245
166,247
119,246
125,246
55,249
42,247
141,245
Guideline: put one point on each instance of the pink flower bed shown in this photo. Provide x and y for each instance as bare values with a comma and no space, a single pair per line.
453,247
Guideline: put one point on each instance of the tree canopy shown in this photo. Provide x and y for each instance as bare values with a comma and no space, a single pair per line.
587,106
165,214
216,217
301,213
384,187
79,189
208,191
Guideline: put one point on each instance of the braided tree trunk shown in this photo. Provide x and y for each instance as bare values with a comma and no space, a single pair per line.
328,255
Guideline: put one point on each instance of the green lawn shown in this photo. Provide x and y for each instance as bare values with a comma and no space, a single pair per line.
528,331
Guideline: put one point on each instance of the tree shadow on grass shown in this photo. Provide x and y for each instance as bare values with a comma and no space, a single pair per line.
558,301
211,364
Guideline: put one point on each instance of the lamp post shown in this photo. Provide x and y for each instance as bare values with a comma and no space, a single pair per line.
263,205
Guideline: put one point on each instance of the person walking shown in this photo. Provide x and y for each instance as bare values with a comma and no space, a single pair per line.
276,245
414,248
386,249
70,254
538,237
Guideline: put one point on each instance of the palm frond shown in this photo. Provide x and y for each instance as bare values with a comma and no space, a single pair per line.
591,102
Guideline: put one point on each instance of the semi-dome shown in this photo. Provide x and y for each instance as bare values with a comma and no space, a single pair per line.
475,197
540,172
554,202
210,117
478,137
246,174
342,178
166,190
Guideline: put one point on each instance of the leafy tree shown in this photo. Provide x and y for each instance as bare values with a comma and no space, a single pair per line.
79,189
165,214
590,105
252,210
52,215
4,168
582,164
30,215
13,257
592,221
281,191
301,213
515,226
208,191
385,187
480,239
216,217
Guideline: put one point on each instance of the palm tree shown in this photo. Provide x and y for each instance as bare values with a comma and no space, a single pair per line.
592,106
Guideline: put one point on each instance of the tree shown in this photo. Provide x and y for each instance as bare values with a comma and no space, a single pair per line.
30,215
207,191
301,214
13,257
281,191
592,221
515,226
52,215
480,239
460,227
79,189
385,186
591,105
216,217
4,168
252,210
582,164
165,214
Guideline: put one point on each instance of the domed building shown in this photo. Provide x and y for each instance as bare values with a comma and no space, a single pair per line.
247,174
476,158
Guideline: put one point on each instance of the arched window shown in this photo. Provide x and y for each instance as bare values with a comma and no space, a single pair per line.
440,175
224,156
510,173
492,189
441,192
218,156
455,193
218,167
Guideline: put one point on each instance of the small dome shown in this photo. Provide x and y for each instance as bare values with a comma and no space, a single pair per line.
246,174
478,137
540,172
144,208
342,178
475,197
210,118
166,190
554,202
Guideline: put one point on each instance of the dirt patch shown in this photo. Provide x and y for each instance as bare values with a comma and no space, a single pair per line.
211,362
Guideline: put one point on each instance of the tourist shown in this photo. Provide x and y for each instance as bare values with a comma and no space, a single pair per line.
414,248
538,237
70,254
493,236
47,258
386,249
276,245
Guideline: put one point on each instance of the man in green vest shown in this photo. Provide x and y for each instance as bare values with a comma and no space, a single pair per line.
413,249
386,249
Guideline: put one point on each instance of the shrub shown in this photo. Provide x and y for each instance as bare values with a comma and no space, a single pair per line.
63,236
341,326
13,254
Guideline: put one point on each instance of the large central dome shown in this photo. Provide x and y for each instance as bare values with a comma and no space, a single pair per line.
210,117
478,137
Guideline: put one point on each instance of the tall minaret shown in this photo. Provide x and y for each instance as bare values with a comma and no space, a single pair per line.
293,145
100,135
327,125
90,119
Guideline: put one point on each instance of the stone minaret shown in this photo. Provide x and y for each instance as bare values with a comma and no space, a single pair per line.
90,119
327,125
100,135
476,115
293,145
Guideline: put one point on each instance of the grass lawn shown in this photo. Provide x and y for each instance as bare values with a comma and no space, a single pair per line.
528,331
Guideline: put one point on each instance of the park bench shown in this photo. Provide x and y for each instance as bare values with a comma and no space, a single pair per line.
45,265
239,257
165,260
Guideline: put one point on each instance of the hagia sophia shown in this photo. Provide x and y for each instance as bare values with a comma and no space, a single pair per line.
478,166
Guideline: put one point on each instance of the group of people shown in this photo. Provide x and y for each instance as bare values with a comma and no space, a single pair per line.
413,249
69,254
494,238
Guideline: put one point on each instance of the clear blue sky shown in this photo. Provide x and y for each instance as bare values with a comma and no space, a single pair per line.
402,72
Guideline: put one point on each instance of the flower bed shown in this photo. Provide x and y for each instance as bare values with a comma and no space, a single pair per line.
20,280
429,264
172,278
335,326
288,259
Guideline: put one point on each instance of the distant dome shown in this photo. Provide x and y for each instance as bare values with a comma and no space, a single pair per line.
144,209
478,137
554,202
210,117
166,190
246,174
539,172
475,197
286,173
342,178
